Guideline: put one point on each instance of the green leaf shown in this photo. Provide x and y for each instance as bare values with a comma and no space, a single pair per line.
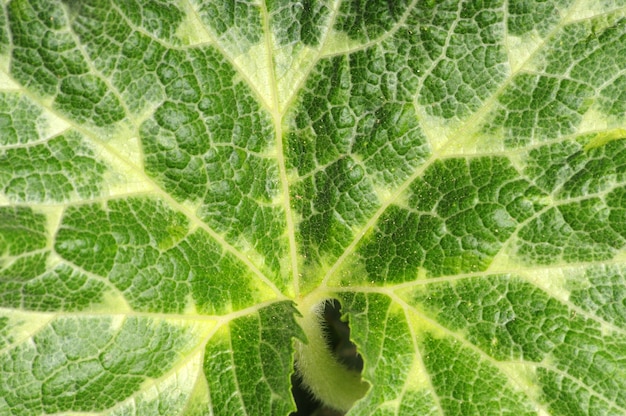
183,183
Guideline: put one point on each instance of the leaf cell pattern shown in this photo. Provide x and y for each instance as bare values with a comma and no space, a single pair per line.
179,178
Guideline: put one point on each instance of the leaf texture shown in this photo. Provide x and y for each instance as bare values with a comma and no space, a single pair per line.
178,178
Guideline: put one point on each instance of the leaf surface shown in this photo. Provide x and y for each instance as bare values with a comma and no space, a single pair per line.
180,179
